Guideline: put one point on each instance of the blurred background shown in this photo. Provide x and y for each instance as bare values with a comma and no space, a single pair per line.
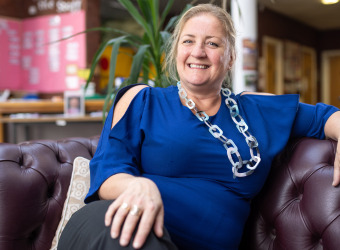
284,47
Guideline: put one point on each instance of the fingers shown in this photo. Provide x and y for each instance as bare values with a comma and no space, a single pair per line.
159,224
140,204
124,219
109,214
152,215
130,224
116,211
336,175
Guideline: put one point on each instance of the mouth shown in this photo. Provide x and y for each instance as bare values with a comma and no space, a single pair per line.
198,66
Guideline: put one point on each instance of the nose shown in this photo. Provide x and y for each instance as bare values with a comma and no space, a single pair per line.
198,50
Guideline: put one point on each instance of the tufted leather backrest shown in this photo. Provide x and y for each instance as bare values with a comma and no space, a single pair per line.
34,178
298,207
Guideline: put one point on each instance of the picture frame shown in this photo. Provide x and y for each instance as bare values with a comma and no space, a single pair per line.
292,61
74,103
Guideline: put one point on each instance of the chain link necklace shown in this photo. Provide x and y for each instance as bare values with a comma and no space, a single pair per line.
232,150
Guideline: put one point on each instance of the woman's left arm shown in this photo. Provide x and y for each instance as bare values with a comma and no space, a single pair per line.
332,130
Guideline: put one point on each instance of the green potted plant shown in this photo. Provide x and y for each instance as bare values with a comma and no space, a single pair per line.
149,48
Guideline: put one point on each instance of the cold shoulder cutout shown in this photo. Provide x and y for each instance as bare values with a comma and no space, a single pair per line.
124,102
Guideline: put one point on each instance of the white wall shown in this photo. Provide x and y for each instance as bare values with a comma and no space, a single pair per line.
244,14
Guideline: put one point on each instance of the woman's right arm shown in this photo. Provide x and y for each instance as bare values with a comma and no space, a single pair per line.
131,191
115,185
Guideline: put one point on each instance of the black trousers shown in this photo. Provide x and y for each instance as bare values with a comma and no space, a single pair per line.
86,231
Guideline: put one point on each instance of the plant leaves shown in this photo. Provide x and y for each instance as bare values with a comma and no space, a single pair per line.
154,7
97,57
113,62
137,63
165,37
137,16
165,13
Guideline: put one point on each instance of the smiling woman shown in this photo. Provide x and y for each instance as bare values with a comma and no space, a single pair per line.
202,58
220,37
178,166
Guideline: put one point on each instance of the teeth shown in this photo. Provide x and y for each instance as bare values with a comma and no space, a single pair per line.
198,66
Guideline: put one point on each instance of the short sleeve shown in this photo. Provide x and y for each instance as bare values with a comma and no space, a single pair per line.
118,148
310,120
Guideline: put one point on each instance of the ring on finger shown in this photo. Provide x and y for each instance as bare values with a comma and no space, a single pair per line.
136,211
125,206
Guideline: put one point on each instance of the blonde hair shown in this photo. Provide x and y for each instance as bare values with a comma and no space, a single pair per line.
223,16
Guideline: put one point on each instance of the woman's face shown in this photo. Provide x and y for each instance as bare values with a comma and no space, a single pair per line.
202,53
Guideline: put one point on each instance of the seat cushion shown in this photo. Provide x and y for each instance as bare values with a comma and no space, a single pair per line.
78,188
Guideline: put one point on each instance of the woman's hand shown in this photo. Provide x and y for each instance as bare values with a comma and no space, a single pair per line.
336,176
332,130
139,203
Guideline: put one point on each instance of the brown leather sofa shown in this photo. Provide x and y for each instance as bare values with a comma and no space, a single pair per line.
297,209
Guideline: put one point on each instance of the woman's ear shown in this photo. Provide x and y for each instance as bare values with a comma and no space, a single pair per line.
231,62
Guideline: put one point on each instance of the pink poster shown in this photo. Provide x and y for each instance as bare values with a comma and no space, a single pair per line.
10,53
46,63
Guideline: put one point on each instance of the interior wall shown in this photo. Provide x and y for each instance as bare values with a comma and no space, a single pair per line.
92,8
278,26
329,40
10,8
275,25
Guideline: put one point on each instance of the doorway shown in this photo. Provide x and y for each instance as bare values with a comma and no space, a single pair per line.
331,78
273,65
309,76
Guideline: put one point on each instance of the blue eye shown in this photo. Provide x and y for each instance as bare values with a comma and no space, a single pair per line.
213,44
187,41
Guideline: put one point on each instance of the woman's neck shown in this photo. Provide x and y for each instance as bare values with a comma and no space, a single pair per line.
209,103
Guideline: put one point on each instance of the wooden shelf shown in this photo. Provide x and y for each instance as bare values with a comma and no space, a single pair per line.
45,119
44,107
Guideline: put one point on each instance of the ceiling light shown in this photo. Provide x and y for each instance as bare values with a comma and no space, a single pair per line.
329,1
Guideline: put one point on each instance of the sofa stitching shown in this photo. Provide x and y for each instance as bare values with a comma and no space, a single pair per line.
303,217
336,217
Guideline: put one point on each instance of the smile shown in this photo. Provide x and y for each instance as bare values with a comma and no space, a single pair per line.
197,66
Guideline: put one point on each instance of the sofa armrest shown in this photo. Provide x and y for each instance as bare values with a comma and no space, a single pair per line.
34,179
298,207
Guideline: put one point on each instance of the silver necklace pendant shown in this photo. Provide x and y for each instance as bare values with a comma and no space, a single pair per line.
232,150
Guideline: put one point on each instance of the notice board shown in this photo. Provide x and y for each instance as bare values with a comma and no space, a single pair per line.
33,57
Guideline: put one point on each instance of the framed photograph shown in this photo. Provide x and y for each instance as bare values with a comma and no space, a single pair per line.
293,61
249,54
74,103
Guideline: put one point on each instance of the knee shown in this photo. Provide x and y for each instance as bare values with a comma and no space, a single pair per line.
84,226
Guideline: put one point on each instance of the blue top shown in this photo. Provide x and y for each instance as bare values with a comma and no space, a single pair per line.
159,138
